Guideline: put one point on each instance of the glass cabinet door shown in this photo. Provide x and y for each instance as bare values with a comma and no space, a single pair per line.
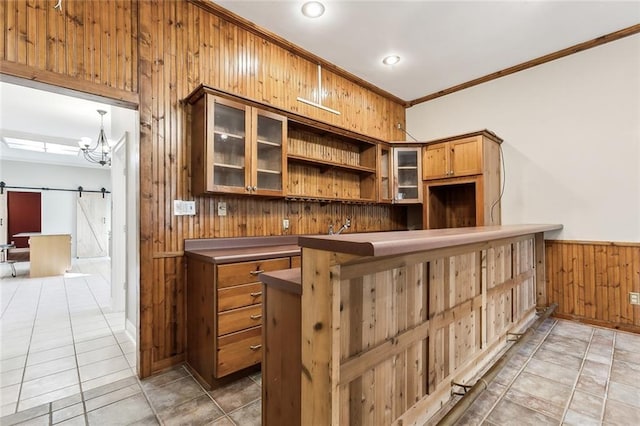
386,174
269,152
407,175
229,146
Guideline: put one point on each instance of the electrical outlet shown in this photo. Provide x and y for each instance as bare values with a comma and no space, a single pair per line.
222,208
178,207
285,224
634,298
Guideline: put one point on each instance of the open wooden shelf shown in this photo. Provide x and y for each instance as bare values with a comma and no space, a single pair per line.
323,164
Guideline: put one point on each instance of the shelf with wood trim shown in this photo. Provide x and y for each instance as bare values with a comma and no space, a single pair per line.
324,165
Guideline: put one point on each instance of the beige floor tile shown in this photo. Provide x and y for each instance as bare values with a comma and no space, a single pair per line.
551,353
617,413
37,357
110,387
236,394
9,394
74,421
38,421
108,398
574,418
593,385
624,393
105,380
126,411
223,421
542,388
36,371
45,398
626,373
90,345
510,413
161,379
11,377
67,413
628,342
96,355
12,363
201,410
249,415
557,373
175,393
103,368
25,415
586,404
541,405
49,383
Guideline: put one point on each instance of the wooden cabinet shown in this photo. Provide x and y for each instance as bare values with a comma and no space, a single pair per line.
460,157
407,187
462,181
330,166
224,315
236,148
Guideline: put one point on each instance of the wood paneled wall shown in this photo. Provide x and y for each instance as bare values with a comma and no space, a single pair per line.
151,55
88,46
182,45
591,281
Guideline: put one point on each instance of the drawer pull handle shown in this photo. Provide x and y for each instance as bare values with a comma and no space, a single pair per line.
256,316
255,347
258,272
255,294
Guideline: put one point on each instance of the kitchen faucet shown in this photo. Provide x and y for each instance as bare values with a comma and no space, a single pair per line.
347,224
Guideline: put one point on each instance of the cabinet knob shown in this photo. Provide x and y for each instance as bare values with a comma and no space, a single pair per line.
248,188
255,347
255,316
254,188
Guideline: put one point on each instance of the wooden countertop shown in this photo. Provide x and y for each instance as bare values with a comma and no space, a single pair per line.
403,242
288,280
229,250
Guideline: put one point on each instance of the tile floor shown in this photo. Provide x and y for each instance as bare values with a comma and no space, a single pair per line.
55,369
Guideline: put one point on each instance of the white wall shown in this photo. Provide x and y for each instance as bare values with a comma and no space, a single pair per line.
58,207
571,131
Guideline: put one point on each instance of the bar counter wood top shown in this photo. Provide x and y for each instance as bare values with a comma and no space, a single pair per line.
403,242
376,327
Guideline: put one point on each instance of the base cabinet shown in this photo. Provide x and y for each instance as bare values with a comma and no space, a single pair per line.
224,315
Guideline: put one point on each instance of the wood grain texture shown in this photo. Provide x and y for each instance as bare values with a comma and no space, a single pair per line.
181,46
86,45
591,281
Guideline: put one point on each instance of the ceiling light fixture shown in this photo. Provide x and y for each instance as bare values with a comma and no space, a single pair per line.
313,9
391,60
100,153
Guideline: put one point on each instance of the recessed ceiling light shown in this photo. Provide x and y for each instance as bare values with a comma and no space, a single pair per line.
391,60
312,9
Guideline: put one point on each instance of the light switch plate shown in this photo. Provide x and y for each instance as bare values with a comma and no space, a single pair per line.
634,298
222,208
178,207
189,208
285,224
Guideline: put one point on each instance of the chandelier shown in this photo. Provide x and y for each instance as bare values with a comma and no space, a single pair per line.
100,153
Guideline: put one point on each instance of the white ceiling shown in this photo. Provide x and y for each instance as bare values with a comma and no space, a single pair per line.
43,116
441,43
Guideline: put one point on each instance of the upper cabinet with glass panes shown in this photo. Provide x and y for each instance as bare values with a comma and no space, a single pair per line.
236,148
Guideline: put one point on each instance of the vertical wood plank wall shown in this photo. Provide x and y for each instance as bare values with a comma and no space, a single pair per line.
152,54
591,281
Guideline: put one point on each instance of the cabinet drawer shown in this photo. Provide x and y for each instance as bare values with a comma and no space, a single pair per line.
247,272
296,261
239,296
239,319
239,350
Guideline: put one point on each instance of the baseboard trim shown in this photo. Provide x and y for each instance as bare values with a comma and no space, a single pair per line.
605,324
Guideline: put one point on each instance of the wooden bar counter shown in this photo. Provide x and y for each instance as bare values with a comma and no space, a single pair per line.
389,320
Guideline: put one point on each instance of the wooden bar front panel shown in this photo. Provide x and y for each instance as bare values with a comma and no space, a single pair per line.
393,338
